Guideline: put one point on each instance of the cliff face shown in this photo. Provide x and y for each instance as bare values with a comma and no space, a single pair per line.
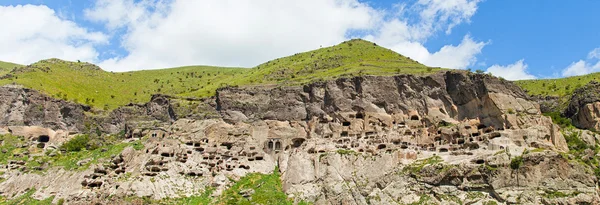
584,106
446,138
25,107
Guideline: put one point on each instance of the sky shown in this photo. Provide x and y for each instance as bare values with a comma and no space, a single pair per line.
514,39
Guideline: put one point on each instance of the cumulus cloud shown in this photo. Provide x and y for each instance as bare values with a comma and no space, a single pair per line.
583,67
580,68
515,71
31,33
226,32
407,36
168,33
246,33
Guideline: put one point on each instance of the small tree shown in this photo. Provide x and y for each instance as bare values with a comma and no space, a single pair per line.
515,164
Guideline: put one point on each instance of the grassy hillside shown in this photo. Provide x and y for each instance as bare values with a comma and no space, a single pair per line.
6,67
557,87
88,84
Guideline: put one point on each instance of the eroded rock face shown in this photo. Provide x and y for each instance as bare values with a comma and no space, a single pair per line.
365,140
26,107
584,106
453,95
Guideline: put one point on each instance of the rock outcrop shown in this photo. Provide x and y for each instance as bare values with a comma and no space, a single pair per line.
584,106
26,107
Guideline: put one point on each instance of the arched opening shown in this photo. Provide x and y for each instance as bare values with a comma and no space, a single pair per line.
270,145
346,124
277,146
43,138
443,150
414,117
480,161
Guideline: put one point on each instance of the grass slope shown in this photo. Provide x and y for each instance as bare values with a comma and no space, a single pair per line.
6,67
88,84
557,87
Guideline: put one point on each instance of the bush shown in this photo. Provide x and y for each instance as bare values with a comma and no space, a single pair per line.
516,162
575,143
76,144
558,119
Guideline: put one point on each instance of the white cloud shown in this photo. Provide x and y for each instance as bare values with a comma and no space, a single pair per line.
515,71
594,53
583,67
580,68
460,56
167,33
408,38
246,33
31,33
226,32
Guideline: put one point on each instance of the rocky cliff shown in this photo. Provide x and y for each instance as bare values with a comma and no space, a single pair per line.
447,138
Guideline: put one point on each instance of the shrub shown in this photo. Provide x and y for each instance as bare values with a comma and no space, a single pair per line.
559,119
516,162
76,144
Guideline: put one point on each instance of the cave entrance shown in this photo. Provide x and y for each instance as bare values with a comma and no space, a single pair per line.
43,138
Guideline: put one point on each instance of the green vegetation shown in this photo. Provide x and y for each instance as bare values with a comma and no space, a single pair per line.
88,84
418,165
6,67
267,190
345,151
26,199
557,87
574,141
550,194
77,143
77,152
559,119
475,195
490,203
516,162
424,199
203,199
10,146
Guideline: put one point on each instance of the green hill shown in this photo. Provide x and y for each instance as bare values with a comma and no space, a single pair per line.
88,84
6,67
557,87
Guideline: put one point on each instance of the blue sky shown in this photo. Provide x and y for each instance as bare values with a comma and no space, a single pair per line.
511,38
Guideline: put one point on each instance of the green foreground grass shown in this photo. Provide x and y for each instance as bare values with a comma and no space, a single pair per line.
88,84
